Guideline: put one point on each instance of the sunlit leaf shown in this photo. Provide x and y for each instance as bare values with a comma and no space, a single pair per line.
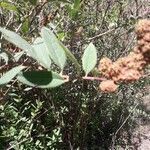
56,51
18,55
17,40
4,56
41,53
8,76
89,58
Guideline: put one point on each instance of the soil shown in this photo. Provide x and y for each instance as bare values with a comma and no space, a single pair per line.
141,135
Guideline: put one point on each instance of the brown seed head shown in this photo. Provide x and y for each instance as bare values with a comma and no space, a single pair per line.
108,86
129,68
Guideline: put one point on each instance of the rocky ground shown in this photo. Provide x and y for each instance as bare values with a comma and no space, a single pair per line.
141,134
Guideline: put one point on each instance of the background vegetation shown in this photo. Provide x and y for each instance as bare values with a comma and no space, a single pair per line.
75,115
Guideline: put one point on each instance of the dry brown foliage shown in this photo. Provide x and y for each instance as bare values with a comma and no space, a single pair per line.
130,68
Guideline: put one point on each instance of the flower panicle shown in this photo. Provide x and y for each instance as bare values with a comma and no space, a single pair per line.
129,68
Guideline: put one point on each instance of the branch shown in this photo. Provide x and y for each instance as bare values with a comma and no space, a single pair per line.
93,78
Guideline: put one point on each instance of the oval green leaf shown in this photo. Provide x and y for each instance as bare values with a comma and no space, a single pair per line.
17,40
41,79
41,53
56,51
89,58
8,76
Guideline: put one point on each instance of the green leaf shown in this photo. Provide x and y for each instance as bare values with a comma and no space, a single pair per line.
8,76
8,6
71,57
41,79
61,36
17,40
18,55
77,4
41,53
89,58
25,26
56,51
4,56
73,11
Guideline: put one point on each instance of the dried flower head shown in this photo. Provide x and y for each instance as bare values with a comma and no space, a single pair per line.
104,65
129,68
142,27
108,86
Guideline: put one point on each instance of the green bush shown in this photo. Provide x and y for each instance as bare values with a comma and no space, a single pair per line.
49,81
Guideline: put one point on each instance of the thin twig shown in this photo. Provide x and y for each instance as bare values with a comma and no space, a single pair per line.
93,78
14,80
101,34
10,19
